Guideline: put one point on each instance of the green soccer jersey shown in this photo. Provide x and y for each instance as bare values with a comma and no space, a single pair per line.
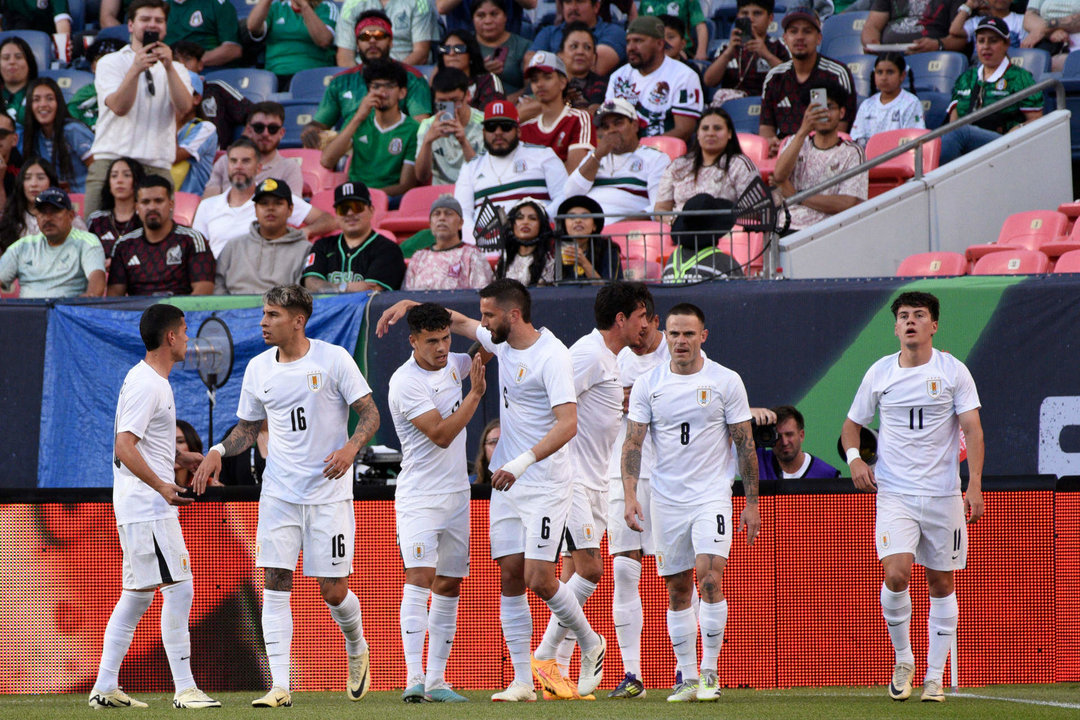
971,92
344,93
289,47
689,11
50,271
209,23
379,153
15,102
35,15
83,105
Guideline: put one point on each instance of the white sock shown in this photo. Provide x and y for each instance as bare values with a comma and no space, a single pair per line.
554,644
442,626
118,633
896,609
713,621
627,612
564,652
414,625
277,623
683,630
564,605
941,629
175,634
347,616
516,619
695,601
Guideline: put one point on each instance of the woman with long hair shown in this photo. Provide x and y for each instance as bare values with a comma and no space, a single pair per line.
54,135
18,67
891,107
489,438
460,50
18,219
117,216
585,254
714,165
528,244
503,51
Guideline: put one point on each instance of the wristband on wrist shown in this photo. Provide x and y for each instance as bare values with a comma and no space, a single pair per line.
852,455
219,448
520,464
964,9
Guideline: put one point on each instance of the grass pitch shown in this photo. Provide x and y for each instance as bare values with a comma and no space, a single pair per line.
1029,702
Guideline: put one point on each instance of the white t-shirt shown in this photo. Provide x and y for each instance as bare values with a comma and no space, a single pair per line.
904,111
220,223
532,382
306,403
426,468
626,184
671,89
631,367
919,438
688,418
599,401
145,409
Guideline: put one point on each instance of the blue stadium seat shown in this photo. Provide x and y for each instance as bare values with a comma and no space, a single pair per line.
311,84
296,118
120,32
1072,66
842,45
77,11
725,10
243,7
428,71
1035,60
936,71
775,30
255,85
70,81
40,43
862,70
844,24
745,113
934,106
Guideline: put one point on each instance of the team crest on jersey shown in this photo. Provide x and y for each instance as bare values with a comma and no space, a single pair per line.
885,540
454,377
704,396
258,549
519,166
196,19
395,146
933,387
660,560
174,255
658,95
635,166
588,530
520,374
314,381
184,562
418,551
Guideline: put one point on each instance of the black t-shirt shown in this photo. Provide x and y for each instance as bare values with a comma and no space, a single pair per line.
377,260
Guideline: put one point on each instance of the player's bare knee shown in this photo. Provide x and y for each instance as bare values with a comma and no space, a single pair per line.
334,590
422,577
680,588
897,578
589,564
632,554
940,583
446,586
709,588
278,579
541,580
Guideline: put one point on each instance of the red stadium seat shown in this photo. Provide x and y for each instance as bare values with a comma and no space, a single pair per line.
1016,261
78,201
641,269
673,146
756,148
933,264
1068,263
1071,210
747,249
1030,230
643,239
184,207
310,166
900,169
413,215
13,293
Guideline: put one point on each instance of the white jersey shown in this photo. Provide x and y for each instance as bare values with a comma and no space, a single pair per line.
426,468
532,382
306,403
631,367
625,185
919,438
902,112
599,401
669,90
145,409
688,418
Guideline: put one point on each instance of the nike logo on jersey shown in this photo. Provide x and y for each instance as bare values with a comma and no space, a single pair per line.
886,392
543,546
656,395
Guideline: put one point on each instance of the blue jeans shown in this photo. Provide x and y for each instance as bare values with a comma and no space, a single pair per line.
964,140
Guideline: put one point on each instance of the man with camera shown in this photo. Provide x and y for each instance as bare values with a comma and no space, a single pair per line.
750,54
779,434
451,137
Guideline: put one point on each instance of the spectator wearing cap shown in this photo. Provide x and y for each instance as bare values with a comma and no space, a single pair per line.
993,79
196,146
57,261
922,25
621,174
271,253
222,104
229,215
383,139
83,105
347,90
507,170
565,129
141,91
449,264
161,257
665,92
47,16
782,104
690,15
265,127
448,140
357,259
298,35
211,24
414,27
611,40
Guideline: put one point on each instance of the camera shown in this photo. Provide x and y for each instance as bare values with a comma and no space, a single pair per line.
742,24
764,435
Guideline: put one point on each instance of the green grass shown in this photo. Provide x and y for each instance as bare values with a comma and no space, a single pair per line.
796,704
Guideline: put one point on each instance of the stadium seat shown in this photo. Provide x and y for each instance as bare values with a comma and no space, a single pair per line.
745,113
1025,230
41,44
1035,60
1013,262
1071,210
936,71
862,71
640,269
747,249
184,207
1058,246
311,84
643,239
1072,66
849,23
842,45
673,146
1068,263
427,71
900,169
413,215
756,148
13,292
70,81
775,30
935,105
119,32
309,165
933,264
255,85
78,201
323,200
243,8
296,119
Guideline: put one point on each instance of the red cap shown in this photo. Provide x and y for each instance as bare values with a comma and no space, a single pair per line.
500,109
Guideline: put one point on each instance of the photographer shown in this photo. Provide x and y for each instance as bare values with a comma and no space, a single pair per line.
779,434
750,54
453,135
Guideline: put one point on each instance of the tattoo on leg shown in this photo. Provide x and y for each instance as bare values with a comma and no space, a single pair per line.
279,579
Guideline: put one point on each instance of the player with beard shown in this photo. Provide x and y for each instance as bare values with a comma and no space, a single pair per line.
665,92
161,257
507,171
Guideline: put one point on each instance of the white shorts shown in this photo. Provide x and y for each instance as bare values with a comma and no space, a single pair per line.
530,520
588,519
930,528
620,537
154,554
683,533
326,533
433,531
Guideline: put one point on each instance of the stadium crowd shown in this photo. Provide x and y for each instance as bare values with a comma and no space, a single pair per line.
599,108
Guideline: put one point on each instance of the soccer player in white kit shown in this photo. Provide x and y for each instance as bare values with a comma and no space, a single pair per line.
431,498
144,501
694,410
620,311
304,388
924,397
532,485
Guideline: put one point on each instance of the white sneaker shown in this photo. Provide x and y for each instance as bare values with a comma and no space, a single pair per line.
684,690
932,691
517,692
113,699
359,676
900,687
708,689
277,697
592,668
193,699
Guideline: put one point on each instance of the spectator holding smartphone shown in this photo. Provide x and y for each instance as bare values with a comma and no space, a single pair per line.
750,54
503,51
453,135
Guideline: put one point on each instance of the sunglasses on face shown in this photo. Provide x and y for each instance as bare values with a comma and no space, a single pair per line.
259,128
504,125
356,206
370,35
453,49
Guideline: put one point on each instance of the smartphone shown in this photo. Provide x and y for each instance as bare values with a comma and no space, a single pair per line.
150,37
818,96
501,53
742,24
444,110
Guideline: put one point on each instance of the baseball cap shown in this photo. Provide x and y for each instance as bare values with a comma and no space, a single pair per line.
646,25
546,61
351,191
272,187
53,196
447,201
501,110
801,13
993,24
616,106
